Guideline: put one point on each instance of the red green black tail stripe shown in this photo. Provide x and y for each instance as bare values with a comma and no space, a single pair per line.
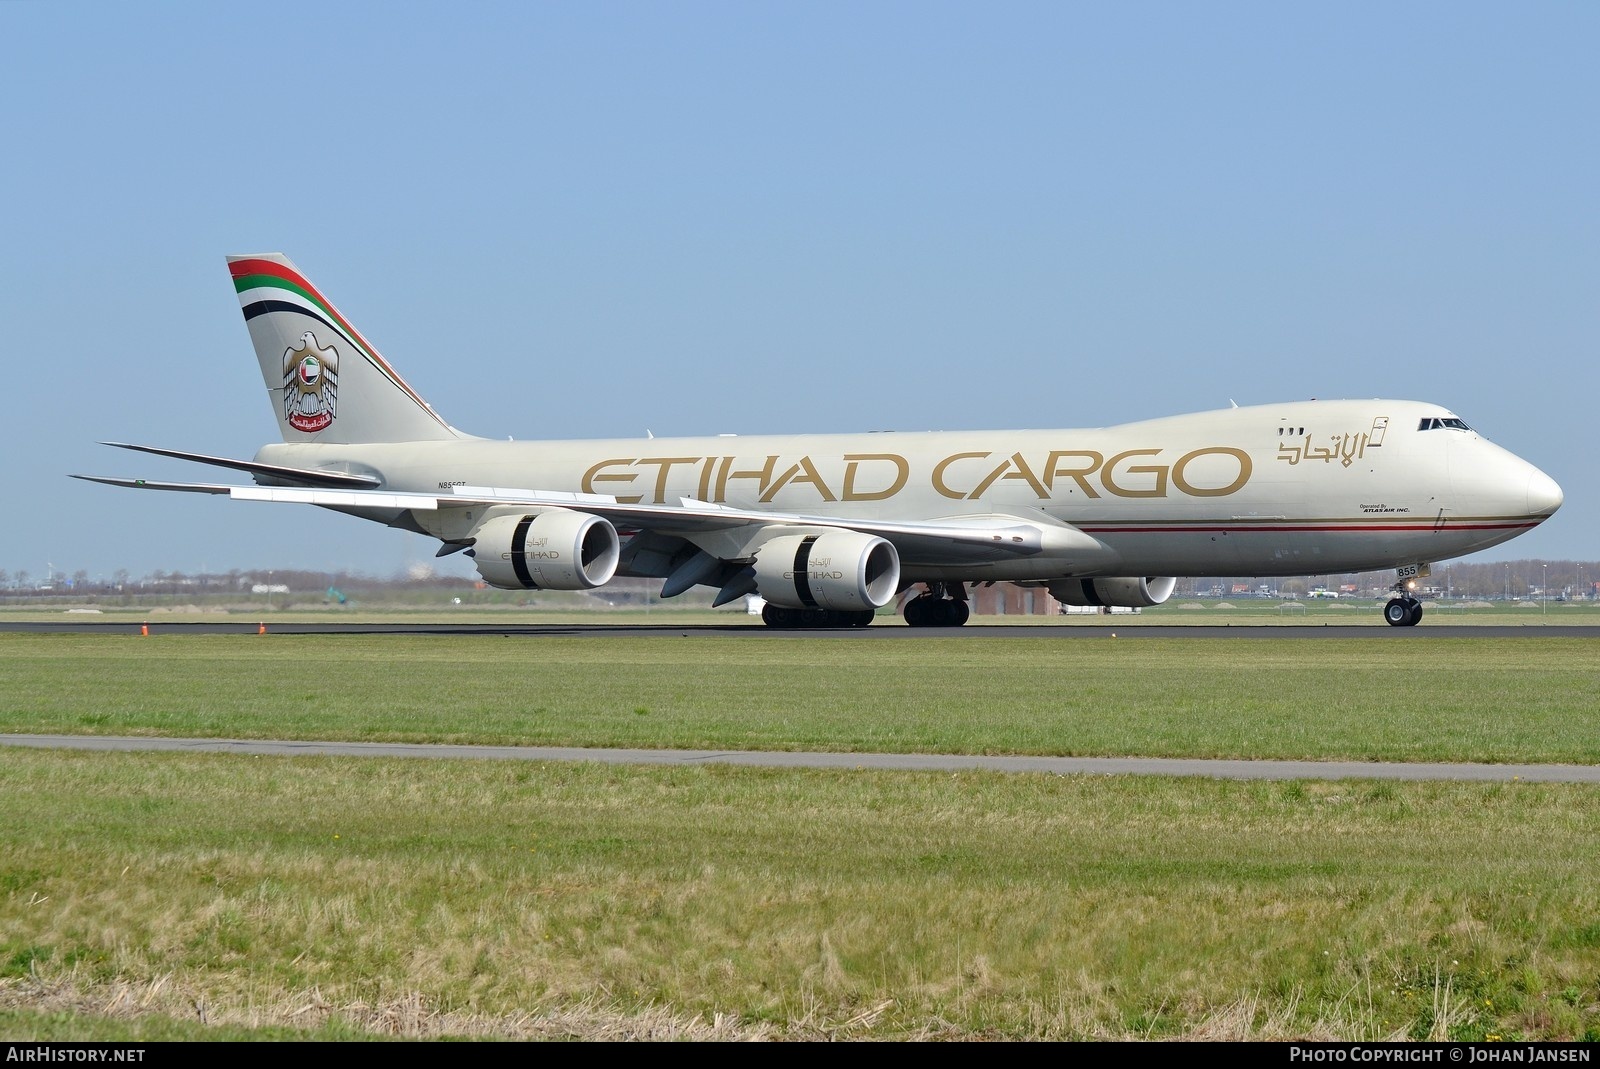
252,273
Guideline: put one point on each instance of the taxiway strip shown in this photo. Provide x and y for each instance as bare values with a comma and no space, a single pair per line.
1061,766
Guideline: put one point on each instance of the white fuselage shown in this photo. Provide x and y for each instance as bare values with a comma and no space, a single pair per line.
1291,489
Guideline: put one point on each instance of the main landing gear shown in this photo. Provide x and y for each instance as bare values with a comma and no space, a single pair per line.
1403,610
778,616
933,609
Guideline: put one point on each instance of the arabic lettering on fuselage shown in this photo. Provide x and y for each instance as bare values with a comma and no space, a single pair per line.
1211,471
1346,448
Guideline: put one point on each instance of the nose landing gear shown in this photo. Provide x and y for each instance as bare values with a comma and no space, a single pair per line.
1402,610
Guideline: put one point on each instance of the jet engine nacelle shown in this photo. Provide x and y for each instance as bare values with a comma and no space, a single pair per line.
843,570
1133,592
552,550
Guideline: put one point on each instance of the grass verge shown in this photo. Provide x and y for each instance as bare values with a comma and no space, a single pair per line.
201,896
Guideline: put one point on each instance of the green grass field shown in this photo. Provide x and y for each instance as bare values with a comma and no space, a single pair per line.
206,896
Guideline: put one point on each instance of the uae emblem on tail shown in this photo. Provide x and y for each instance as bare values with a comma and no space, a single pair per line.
310,384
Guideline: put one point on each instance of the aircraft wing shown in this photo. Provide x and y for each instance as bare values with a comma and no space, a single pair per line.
986,537
980,537
376,499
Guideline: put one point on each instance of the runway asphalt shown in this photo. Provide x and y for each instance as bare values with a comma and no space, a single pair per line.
64,625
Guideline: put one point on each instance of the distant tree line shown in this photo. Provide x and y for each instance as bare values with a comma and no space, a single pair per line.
234,581
1486,580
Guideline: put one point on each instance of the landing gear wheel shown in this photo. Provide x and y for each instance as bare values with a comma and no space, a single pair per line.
931,611
815,619
1402,612
920,610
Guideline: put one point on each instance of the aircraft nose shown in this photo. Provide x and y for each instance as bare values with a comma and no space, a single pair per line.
1544,496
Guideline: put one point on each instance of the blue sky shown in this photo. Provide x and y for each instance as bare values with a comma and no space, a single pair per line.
597,220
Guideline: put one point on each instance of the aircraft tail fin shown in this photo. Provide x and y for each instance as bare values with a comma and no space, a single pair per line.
327,383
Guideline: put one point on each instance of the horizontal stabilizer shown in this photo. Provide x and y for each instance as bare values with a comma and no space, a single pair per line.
146,484
304,476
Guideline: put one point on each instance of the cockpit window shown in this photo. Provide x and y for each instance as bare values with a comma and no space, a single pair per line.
1434,423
